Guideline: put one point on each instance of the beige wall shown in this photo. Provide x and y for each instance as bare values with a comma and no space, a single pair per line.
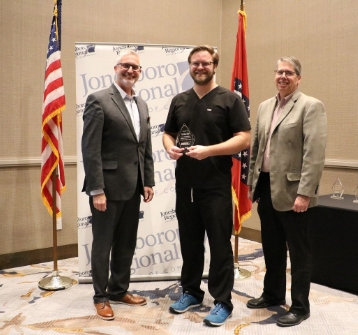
323,36
25,26
321,33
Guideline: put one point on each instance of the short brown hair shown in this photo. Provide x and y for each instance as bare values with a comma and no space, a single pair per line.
207,48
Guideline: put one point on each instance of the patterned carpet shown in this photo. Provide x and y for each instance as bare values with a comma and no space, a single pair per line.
26,309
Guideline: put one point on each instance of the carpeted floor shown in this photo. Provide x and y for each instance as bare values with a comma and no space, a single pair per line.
26,309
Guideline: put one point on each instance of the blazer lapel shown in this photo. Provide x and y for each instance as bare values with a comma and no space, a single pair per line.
289,106
118,100
271,109
143,118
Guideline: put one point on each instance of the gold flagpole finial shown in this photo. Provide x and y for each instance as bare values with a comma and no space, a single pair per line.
242,12
55,14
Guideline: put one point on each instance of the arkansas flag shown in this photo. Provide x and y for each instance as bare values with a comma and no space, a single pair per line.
240,167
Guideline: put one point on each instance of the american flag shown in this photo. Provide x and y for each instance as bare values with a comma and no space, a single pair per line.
53,105
240,167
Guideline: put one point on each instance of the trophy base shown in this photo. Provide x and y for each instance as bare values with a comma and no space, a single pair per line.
337,197
239,273
55,282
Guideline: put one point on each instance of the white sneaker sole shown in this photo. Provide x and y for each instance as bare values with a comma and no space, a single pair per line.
123,303
210,323
171,309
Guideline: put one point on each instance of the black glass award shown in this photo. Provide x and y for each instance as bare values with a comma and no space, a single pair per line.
185,138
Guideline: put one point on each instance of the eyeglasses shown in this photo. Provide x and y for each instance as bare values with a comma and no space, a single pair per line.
203,64
127,66
287,73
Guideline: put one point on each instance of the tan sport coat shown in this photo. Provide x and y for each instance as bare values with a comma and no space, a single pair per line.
297,150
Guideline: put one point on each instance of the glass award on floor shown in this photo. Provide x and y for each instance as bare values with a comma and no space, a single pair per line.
185,138
338,190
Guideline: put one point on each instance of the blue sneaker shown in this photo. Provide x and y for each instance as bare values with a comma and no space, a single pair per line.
185,302
218,315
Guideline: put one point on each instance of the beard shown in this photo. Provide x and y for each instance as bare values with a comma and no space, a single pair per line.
126,81
203,80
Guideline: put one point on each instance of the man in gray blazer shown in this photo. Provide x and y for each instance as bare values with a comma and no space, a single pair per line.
118,164
286,165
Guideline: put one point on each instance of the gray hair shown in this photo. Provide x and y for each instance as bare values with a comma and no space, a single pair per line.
293,61
127,52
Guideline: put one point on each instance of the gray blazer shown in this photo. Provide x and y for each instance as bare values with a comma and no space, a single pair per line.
297,150
110,149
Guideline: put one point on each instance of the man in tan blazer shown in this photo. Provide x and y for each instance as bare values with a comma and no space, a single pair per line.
286,165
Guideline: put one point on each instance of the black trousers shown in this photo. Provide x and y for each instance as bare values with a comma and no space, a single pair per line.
277,229
114,234
198,211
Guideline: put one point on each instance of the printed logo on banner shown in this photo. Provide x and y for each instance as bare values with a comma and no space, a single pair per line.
84,222
164,168
84,51
80,108
122,48
168,216
157,129
187,82
167,250
141,215
174,50
85,274
176,75
84,253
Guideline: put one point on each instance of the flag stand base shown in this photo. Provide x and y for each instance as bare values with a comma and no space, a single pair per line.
55,282
240,273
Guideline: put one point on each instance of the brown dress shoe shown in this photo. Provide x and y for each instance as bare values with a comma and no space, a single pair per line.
104,310
128,299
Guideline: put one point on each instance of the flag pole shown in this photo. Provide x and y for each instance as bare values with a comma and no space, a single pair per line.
54,220
51,183
236,250
55,282
239,273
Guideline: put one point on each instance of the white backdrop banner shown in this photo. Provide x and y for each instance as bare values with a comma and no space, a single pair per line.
165,73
